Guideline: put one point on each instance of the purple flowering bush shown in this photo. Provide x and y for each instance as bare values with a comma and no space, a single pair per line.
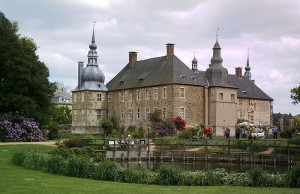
16,127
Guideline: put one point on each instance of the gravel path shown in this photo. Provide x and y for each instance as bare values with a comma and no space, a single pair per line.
50,143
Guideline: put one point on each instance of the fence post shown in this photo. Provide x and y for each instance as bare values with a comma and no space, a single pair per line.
206,157
105,148
289,153
275,155
161,150
148,149
251,148
128,151
184,151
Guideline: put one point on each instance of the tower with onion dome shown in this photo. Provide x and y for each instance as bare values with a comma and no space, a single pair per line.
89,97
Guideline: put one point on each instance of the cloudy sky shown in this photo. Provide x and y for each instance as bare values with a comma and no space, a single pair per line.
270,29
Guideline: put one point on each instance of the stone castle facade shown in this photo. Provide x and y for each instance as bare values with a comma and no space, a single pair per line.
166,84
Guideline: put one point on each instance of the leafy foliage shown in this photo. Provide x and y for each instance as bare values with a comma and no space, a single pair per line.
16,127
24,84
111,125
295,94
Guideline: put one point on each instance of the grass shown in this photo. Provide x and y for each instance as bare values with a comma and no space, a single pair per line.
15,179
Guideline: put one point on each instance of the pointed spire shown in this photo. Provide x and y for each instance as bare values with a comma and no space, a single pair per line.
247,73
194,63
92,55
216,60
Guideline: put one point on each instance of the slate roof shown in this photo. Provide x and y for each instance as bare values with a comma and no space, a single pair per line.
162,71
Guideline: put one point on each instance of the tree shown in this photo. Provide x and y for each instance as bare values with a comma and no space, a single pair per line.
295,95
24,84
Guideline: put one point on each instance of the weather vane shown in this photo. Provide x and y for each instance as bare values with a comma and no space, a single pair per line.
194,53
217,34
94,25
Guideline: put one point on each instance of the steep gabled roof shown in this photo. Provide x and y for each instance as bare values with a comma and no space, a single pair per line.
248,89
154,72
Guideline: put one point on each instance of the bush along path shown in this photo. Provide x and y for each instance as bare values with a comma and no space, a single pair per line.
81,162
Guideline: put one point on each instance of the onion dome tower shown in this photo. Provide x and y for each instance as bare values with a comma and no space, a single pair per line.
91,77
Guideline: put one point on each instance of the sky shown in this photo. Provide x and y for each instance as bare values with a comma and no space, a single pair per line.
269,29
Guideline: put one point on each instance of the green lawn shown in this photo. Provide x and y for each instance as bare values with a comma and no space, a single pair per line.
15,179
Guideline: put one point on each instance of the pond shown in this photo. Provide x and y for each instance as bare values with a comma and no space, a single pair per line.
209,165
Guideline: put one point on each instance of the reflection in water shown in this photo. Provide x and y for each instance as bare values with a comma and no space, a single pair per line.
209,165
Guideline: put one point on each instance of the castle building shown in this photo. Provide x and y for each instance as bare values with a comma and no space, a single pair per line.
165,83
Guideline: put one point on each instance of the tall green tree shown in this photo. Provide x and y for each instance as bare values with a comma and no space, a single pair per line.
295,95
24,84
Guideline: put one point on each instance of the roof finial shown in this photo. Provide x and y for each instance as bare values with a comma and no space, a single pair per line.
93,37
217,34
248,57
194,53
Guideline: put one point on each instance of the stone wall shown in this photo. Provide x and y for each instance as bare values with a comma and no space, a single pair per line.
153,98
89,107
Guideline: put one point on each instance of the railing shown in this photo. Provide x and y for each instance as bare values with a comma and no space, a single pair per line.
231,150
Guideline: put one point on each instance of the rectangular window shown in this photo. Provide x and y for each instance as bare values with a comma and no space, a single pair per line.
155,93
138,97
138,114
122,114
82,112
155,109
108,113
99,97
147,113
130,96
181,112
232,98
75,97
109,97
130,113
164,112
99,114
220,96
147,94
122,96
75,112
181,94
165,91
82,97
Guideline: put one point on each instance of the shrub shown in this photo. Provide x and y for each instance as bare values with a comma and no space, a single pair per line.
293,177
53,131
186,134
237,179
179,123
56,165
75,143
295,140
138,176
35,161
80,167
287,133
170,175
259,177
108,171
16,127
18,158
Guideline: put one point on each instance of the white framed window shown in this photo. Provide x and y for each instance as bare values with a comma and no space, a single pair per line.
155,93
75,97
130,113
122,114
99,114
164,111
108,113
147,113
82,111
147,94
99,97
109,98
181,112
165,92
181,93
138,114
138,95
130,96
75,112
82,97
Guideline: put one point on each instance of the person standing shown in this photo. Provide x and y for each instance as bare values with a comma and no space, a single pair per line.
227,133
237,132
275,132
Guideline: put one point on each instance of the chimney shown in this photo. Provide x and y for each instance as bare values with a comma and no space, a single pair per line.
80,68
132,58
238,72
170,50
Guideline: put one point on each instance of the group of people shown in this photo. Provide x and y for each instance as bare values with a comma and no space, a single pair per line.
239,131
125,141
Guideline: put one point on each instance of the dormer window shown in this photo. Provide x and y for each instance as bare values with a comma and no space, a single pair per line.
141,80
183,77
121,83
244,92
193,78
